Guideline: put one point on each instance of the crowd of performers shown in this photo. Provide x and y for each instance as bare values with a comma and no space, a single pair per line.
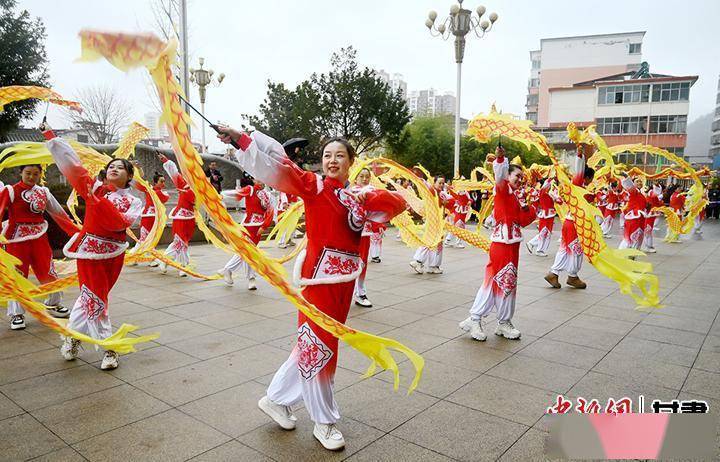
345,223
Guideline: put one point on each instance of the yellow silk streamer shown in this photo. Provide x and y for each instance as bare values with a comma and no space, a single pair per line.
132,137
613,263
19,92
13,286
127,51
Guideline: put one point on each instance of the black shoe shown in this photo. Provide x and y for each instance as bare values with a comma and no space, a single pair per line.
375,259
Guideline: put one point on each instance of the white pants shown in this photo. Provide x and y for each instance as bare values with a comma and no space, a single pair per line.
360,287
237,264
607,224
178,251
375,246
541,242
285,238
648,238
568,260
429,258
697,229
288,388
486,300
14,308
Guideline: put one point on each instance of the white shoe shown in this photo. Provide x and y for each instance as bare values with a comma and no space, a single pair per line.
530,248
460,246
283,246
70,348
291,243
17,322
417,266
282,415
163,267
607,236
227,277
182,274
435,270
329,436
362,300
251,284
58,311
540,253
448,244
650,250
507,330
474,328
110,361
154,264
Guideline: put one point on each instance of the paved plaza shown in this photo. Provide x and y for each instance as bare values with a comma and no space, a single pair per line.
192,394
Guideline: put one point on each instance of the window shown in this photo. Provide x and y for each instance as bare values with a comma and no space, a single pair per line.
534,83
624,94
531,116
621,125
635,48
676,91
536,64
532,100
82,138
668,124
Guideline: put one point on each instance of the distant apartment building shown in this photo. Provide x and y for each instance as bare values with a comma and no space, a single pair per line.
431,103
601,80
714,152
396,81
157,130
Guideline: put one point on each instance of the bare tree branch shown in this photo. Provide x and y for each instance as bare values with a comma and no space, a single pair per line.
104,114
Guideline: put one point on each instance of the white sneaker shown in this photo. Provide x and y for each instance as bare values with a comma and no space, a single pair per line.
329,436
474,328
460,246
17,322
362,300
182,274
282,415
163,267
540,253
650,250
283,246
70,348
291,243
507,330
227,277
448,244
435,270
110,361
417,266
607,236
154,264
251,284
530,248
58,311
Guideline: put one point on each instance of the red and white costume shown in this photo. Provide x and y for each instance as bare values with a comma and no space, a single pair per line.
183,216
612,206
100,246
258,216
500,285
459,208
376,240
654,199
624,198
546,217
26,233
634,214
677,202
569,256
432,258
326,269
147,218
601,202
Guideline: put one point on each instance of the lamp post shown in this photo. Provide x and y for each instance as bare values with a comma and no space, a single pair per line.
202,78
460,23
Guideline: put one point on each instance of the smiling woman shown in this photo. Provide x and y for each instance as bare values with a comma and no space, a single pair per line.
326,270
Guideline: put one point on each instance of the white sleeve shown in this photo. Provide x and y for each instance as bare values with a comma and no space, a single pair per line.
501,169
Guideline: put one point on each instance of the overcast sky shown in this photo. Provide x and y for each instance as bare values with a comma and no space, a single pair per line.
252,41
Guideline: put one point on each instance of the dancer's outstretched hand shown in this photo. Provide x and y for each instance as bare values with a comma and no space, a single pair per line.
227,134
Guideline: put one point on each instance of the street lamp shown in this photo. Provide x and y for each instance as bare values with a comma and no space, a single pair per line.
202,78
460,23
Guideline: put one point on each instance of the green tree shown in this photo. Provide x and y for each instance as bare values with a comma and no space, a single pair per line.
430,141
349,101
23,60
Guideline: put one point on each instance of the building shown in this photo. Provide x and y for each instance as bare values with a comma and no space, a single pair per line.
396,81
431,103
563,61
157,130
714,152
626,102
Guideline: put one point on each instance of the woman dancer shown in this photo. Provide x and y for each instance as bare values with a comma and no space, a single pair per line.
258,216
362,184
26,238
499,288
654,199
546,219
634,214
99,247
426,259
458,210
147,218
183,218
326,270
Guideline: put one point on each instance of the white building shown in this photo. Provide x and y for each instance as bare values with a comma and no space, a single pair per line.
152,122
396,81
714,152
431,103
